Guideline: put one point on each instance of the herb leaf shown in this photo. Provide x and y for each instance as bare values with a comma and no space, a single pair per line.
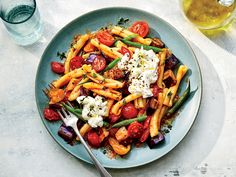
62,55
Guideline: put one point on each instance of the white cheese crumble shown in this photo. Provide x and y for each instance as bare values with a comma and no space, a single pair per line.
93,109
142,69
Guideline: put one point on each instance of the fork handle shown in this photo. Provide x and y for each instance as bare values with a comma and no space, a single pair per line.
103,172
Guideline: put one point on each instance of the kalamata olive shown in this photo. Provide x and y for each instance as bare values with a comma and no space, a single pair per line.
67,133
171,62
155,141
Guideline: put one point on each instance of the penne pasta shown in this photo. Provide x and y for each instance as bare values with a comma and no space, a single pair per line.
67,77
72,84
83,130
155,120
173,90
68,59
116,109
106,50
76,91
92,85
107,94
161,69
80,43
110,103
125,33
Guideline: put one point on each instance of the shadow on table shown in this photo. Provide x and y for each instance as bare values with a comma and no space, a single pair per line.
202,137
226,39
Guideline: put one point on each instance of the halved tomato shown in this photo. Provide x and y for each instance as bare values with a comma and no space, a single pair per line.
124,50
76,62
105,38
140,27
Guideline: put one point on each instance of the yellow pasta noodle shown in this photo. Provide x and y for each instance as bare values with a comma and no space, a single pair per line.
67,77
106,50
125,33
180,74
161,69
84,129
116,109
107,93
155,120
73,82
76,91
110,103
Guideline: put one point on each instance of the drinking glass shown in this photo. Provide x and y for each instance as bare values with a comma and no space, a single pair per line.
22,20
210,14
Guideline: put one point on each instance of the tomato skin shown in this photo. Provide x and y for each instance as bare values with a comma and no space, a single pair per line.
135,130
57,67
105,38
129,111
156,90
99,63
50,114
89,47
113,118
76,62
145,135
124,50
113,131
147,122
140,27
93,139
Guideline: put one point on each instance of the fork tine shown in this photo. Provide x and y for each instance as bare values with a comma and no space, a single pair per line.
51,86
64,112
69,104
62,117
45,93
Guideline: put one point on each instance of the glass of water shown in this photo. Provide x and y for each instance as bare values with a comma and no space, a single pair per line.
22,20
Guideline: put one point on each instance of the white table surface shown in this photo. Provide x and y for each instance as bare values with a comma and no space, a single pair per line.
27,149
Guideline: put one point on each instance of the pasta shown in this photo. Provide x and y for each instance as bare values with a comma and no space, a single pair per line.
121,92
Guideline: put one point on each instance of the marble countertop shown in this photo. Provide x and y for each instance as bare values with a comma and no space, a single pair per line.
27,149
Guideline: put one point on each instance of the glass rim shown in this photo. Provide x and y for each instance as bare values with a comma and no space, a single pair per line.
35,6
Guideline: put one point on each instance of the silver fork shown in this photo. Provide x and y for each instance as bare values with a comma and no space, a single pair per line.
70,120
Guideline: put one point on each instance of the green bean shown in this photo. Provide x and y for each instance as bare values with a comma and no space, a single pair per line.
138,45
129,121
112,64
130,37
180,101
106,124
73,111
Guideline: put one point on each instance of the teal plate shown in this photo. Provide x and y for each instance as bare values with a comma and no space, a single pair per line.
173,39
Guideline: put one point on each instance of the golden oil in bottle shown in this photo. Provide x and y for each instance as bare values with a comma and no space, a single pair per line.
208,14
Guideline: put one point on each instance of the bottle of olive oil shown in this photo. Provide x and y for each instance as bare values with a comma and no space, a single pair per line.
209,14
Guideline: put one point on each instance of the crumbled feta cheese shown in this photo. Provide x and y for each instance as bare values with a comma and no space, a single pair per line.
142,69
93,109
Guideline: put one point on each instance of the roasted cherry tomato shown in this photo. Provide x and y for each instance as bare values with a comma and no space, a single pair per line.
76,62
156,90
147,122
56,95
113,118
140,27
145,135
135,130
57,67
112,132
99,63
129,111
93,139
124,50
51,115
105,38
89,47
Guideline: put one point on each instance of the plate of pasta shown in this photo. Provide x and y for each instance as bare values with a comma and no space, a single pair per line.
132,80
